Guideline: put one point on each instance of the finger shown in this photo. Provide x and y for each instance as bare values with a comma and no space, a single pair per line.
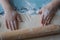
17,27
47,21
14,22
47,18
19,18
7,25
42,20
12,25
50,18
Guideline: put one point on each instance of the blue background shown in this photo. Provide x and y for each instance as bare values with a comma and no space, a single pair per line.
25,5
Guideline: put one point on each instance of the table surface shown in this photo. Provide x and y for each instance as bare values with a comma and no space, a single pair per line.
36,23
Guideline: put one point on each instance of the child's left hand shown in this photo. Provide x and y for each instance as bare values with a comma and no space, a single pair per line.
12,19
47,13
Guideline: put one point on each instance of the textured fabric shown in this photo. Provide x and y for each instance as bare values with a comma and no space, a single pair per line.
24,5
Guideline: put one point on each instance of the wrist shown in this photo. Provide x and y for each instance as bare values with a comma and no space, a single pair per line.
9,11
6,6
56,3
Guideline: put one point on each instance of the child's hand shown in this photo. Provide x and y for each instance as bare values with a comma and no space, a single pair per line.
12,19
47,13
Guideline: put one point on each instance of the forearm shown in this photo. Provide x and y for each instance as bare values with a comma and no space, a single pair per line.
53,4
56,3
6,6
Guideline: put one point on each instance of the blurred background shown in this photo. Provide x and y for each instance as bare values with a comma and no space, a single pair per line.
24,6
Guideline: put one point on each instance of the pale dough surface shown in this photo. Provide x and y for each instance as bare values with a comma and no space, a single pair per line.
34,22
